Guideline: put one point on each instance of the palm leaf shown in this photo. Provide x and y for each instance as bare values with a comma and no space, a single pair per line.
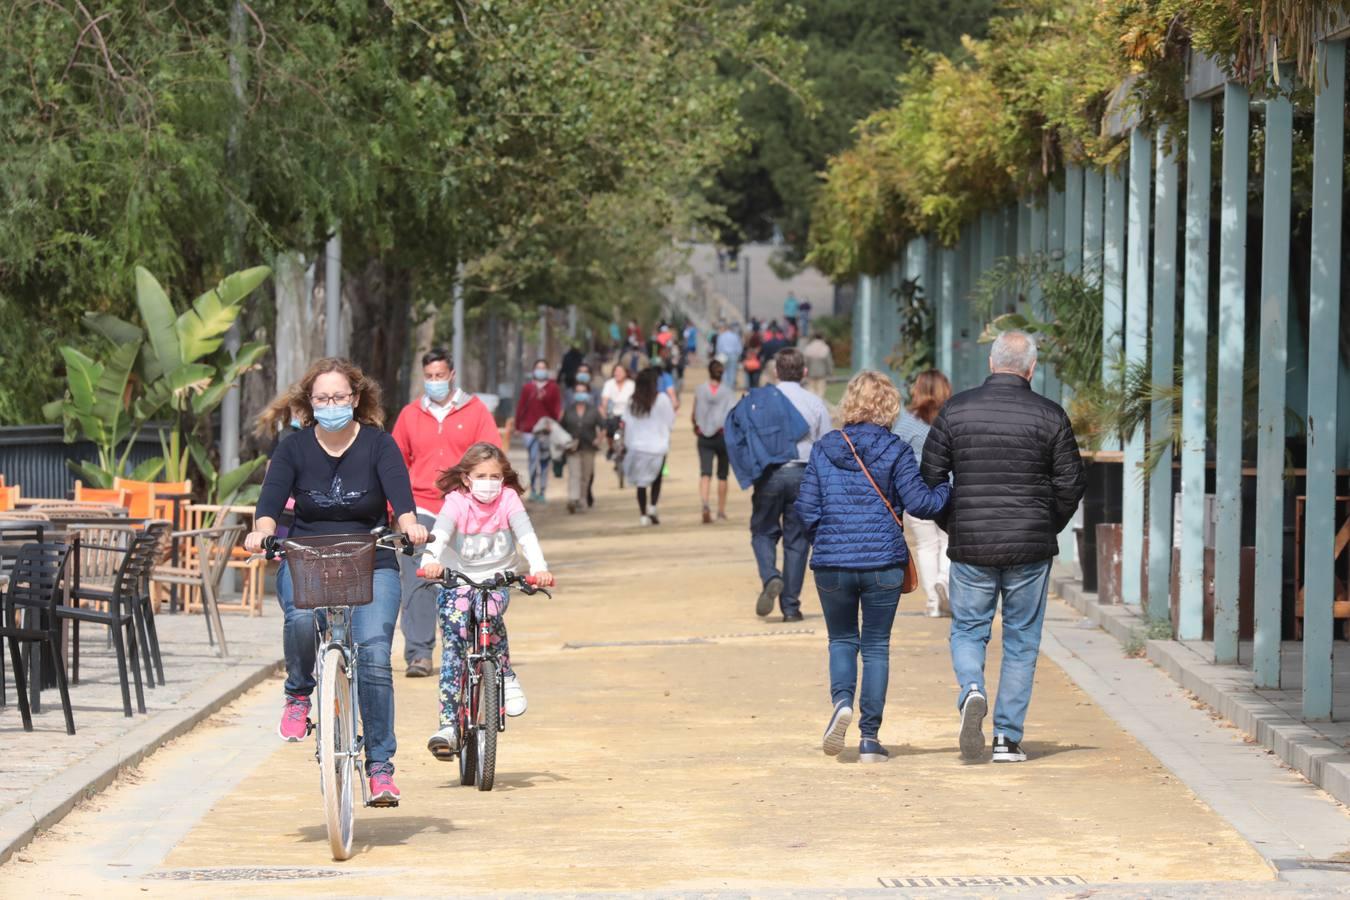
160,323
202,328
230,482
82,373
119,331
147,470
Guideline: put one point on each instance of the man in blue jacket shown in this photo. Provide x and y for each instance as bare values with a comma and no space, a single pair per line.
769,437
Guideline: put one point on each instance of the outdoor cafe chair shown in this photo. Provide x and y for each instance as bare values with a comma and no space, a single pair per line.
117,612
34,591
203,568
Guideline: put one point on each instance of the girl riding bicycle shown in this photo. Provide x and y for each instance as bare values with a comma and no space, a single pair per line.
479,532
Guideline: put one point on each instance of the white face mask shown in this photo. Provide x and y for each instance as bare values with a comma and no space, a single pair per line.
485,490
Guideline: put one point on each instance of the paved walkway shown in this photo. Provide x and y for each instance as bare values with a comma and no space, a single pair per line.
672,744
46,771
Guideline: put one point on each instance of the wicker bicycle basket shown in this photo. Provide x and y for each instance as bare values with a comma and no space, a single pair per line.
335,570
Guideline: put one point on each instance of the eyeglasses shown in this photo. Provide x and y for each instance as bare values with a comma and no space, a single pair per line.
331,400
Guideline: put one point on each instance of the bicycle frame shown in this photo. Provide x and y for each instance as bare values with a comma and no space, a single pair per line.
332,630
481,623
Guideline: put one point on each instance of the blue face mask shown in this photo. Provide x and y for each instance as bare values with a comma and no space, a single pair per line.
297,424
333,418
583,378
582,397
541,374
437,390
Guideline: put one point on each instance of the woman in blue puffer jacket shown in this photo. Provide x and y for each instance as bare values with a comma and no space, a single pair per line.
858,550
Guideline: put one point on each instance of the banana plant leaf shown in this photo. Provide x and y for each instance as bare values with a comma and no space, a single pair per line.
202,328
148,470
161,324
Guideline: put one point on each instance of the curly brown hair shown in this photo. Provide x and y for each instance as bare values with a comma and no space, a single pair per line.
295,399
930,391
452,479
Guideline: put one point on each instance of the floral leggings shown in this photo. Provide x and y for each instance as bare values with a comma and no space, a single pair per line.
456,641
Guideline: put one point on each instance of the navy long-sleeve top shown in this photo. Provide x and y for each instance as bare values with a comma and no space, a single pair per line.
344,494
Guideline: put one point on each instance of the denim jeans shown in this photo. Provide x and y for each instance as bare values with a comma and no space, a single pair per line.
876,592
537,447
417,617
773,516
373,632
974,593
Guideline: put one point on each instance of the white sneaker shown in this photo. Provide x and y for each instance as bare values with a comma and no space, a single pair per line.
644,521
444,744
515,697
653,515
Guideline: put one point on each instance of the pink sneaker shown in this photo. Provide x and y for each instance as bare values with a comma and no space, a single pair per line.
383,791
294,719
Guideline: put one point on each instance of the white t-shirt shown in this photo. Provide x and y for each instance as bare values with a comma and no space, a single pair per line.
650,433
616,396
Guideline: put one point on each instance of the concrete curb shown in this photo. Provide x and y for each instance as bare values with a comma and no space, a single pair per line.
1228,690
52,801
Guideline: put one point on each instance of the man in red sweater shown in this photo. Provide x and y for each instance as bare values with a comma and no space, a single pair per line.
433,432
539,398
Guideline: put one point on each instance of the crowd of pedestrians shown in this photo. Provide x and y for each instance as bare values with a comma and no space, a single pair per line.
962,495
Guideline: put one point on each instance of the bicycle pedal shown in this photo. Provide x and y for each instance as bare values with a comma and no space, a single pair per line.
309,727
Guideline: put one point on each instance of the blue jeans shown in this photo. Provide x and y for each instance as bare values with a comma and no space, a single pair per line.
773,516
843,592
974,593
373,632
537,447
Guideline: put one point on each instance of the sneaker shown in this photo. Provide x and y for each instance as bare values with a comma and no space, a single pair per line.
1006,750
973,711
721,517
944,605
515,696
768,596
444,744
383,791
833,742
644,521
871,751
651,514
418,668
793,616
572,506
707,516
294,719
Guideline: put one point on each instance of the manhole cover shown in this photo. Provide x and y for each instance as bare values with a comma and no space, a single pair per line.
979,881
244,873
677,642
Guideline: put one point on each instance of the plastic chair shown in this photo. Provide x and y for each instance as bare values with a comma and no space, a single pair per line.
34,589
113,496
118,613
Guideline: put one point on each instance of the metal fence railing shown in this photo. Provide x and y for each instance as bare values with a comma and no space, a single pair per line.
34,457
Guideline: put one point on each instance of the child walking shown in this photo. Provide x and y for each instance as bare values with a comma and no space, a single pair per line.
480,531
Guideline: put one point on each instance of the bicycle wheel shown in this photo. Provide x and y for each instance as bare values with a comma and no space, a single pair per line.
489,719
336,726
468,738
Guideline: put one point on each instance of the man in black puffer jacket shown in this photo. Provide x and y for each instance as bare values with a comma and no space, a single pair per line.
1017,479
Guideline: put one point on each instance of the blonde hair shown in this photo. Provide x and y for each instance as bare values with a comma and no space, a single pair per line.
295,399
870,397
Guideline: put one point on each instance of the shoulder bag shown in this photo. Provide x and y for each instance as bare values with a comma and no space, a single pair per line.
911,571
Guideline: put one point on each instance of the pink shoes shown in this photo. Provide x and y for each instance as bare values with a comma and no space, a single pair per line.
294,719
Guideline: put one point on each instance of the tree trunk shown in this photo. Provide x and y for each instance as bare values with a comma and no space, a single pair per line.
380,299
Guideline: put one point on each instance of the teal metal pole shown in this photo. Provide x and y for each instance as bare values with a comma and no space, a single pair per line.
1045,380
1275,226
1113,287
1232,338
1136,354
1073,219
1323,370
947,279
1161,345
1195,370
1093,231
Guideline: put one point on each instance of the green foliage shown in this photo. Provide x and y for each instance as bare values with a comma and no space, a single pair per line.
914,348
854,51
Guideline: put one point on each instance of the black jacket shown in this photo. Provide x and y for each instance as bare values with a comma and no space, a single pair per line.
1018,475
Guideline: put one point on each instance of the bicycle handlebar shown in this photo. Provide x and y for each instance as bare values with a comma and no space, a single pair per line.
273,546
527,583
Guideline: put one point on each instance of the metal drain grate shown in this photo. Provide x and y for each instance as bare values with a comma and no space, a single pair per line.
676,642
967,881
244,873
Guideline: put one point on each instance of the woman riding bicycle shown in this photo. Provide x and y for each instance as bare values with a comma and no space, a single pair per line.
478,533
343,471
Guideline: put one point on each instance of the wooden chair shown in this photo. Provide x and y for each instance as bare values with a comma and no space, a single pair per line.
34,589
75,510
203,568
252,570
113,496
